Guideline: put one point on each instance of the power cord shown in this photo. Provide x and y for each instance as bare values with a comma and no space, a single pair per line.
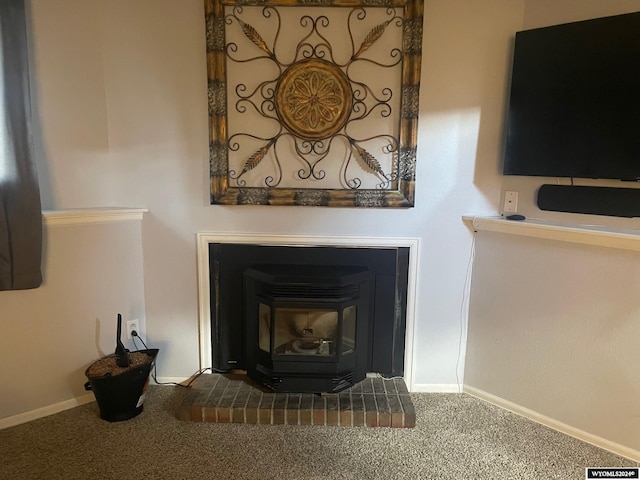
135,335
464,311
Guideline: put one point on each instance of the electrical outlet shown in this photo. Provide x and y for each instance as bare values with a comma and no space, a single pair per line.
510,202
131,326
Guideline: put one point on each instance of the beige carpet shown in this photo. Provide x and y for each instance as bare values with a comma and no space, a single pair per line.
456,437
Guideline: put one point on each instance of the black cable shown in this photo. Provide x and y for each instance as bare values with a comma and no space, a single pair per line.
197,374
135,335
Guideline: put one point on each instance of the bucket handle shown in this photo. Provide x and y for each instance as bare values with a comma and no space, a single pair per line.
87,386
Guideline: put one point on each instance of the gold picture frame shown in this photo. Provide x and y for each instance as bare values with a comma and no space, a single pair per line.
311,100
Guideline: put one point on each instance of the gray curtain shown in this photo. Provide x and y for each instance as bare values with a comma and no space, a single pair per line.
20,210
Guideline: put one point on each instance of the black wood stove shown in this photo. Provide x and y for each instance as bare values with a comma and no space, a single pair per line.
307,326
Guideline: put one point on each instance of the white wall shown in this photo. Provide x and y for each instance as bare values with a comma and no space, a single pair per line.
51,334
464,72
553,328
121,94
541,13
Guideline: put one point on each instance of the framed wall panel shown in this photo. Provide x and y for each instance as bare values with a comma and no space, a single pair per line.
313,102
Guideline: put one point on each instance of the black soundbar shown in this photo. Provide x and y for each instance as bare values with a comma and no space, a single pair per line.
614,202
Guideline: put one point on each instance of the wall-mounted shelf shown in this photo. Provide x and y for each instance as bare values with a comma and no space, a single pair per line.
86,216
582,234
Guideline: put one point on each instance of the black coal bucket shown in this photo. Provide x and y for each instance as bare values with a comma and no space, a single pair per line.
120,397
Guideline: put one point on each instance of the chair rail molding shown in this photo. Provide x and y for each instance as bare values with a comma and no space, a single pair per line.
85,216
583,234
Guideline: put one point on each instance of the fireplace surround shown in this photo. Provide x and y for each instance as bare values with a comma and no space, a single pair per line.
396,359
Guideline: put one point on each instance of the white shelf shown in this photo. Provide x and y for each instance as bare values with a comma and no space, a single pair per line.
583,234
91,215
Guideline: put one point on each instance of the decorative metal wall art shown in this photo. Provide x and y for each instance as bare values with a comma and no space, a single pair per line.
313,102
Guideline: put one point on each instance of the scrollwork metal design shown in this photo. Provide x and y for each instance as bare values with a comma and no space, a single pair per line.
319,102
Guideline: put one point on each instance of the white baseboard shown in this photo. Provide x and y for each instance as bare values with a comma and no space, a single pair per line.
586,437
46,411
435,388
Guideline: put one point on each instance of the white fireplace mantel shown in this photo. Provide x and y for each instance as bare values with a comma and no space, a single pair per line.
204,239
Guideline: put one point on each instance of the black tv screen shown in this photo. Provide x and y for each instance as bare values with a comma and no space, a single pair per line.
574,106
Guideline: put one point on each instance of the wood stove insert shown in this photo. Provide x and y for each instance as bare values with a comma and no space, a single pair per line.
307,326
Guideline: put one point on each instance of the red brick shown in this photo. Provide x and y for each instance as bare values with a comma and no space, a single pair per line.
243,402
292,417
397,419
358,419
346,419
224,415
305,417
371,419
384,419
319,417
209,414
264,416
277,416
251,415
237,415
333,418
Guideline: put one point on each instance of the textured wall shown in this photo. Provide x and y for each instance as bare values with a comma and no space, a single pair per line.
50,335
553,327
121,90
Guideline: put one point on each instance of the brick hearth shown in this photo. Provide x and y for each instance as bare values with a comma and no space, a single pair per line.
234,398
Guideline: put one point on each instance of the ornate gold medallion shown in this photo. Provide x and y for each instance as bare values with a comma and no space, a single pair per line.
313,99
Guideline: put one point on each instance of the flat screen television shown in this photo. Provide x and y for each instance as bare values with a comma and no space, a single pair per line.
574,106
